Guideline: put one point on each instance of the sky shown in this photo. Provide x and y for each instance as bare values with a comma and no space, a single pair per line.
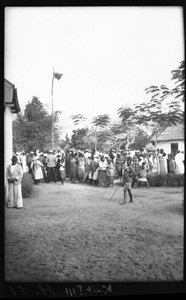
107,55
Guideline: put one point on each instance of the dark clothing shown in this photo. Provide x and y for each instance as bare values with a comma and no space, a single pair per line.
58,164
172,166
102,178
129,172
29,162
51,174
111,155
119,163
67,165
136,163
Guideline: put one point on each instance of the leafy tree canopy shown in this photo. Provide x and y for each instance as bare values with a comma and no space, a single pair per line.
179,77
79,139
32,130
101,120
34,110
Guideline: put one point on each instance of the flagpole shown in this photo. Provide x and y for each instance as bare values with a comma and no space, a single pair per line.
52,135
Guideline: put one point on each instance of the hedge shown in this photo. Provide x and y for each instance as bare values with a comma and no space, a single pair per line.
27,185
165,179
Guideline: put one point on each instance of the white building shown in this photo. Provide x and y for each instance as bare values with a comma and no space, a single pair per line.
172,139
11,107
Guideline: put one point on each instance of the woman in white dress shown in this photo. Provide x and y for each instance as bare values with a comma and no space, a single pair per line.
179,160
37,170
23,162
95,169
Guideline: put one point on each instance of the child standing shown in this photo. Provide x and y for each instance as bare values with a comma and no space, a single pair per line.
128,173
143,175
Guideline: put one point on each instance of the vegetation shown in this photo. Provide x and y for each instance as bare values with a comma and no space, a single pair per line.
27,185
32,130
79,139
155,179
179,77
135,128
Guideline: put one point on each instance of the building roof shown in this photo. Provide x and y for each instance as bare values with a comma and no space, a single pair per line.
10,96
56,147
172,133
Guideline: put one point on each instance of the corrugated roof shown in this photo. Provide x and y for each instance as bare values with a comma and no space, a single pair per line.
172,133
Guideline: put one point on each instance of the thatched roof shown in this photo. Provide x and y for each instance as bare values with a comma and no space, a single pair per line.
172,133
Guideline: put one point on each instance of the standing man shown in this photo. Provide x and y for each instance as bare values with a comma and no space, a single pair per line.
51,164
14,177
128,173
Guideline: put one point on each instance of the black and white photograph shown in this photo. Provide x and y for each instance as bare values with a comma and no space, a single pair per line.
94,150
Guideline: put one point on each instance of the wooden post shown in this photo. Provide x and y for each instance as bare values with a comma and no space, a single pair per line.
52,133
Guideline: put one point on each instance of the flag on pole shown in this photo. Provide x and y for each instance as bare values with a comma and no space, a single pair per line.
57,75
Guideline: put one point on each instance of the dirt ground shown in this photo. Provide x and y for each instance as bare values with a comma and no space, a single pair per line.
72,232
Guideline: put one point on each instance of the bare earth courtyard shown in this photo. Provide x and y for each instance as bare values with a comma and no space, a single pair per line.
72,232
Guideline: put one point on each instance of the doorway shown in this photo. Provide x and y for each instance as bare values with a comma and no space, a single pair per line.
174,148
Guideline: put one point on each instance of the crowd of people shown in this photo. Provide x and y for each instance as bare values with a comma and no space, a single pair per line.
94,168
98,169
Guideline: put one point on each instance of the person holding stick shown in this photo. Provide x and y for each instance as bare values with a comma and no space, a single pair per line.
128,173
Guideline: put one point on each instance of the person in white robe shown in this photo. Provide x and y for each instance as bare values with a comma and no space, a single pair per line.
95,169
14,175
37,170
23,162
179,160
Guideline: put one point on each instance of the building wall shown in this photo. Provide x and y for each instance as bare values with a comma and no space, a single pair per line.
166,145
7,138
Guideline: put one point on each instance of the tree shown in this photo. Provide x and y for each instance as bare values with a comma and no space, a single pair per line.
34,110
157,114
126,114
179,77
77,119
100,121
140,141
79,139
32,130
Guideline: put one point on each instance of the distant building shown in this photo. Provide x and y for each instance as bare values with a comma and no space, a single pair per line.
172,139
11,106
